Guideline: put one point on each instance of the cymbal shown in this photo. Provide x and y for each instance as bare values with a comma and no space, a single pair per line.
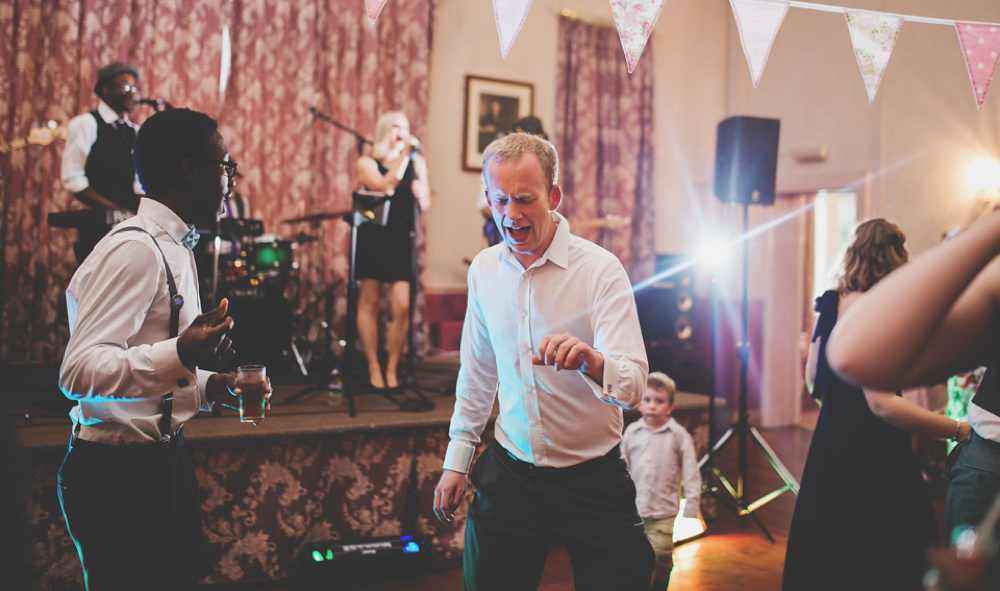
317,217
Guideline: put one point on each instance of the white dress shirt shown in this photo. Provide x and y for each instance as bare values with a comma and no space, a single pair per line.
983,422
659,461
547,418
81,133
119,361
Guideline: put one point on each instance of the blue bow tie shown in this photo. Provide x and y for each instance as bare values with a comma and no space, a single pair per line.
190,239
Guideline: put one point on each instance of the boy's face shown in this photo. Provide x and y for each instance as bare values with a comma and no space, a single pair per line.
655,407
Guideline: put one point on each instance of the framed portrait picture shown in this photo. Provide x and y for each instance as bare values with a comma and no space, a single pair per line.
491,108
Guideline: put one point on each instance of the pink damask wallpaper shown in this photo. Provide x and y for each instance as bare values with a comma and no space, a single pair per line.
286,57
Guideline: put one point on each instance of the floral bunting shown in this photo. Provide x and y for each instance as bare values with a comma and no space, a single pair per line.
635,21
509,15
874,36
981,47
758,22
374,8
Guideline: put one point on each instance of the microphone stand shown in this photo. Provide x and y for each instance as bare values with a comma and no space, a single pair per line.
330,383
362,140
409,381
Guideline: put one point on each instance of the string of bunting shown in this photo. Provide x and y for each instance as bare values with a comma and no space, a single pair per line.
873,34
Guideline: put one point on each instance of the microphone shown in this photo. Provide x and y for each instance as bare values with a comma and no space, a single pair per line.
158,104
414,145
313,111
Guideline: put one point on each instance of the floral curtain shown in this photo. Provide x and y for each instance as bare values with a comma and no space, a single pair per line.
604,133
286,57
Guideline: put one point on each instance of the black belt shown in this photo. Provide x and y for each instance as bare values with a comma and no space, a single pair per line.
585,467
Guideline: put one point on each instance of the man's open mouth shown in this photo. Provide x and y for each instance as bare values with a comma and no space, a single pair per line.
518,234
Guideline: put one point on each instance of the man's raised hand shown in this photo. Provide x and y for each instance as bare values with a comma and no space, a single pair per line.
206,342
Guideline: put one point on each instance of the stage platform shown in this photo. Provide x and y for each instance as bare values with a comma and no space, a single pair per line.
315,413
308,473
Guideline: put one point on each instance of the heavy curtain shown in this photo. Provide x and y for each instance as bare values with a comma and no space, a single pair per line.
604,133
286,57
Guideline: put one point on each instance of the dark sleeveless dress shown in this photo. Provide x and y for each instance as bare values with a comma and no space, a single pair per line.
385,253
863,518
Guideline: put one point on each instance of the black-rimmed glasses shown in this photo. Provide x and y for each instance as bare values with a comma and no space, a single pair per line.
229,165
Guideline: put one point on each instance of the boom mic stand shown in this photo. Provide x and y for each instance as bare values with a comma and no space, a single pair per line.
355,218
741,429
362,140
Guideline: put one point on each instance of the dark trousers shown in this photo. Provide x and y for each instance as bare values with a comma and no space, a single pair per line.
520,511
973,482
133,513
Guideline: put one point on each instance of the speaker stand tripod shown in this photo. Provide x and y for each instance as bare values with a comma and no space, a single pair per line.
735,498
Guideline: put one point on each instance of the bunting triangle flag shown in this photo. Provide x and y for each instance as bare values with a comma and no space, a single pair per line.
635,21
510,15
374,8
873,35
758,22
981,47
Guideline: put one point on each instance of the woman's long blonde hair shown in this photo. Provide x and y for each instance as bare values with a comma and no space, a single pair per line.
878,248
381,147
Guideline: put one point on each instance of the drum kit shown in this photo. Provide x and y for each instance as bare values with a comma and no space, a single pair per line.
260,276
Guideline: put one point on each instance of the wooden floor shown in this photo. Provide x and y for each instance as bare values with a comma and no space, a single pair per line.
734,556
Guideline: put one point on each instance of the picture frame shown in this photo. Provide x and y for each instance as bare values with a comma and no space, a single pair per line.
491,108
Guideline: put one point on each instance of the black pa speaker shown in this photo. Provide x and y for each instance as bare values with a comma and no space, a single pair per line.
746,160
665,309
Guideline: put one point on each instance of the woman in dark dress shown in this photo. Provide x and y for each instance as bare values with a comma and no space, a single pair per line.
863,518
384,253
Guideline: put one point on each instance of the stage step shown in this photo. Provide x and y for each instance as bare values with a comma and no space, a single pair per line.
445,312
446,335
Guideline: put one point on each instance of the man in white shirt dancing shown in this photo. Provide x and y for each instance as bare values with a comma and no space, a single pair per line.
551,328
135,365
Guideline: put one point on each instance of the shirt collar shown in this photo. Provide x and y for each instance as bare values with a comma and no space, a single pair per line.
557,252
108,114
164,217
668,426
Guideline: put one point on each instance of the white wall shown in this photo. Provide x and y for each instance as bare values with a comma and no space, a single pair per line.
906,153
687,52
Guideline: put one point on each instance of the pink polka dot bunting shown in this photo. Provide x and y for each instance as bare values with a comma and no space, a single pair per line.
981,48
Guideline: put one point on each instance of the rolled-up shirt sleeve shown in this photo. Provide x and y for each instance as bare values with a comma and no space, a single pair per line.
476,388
81,133
100,358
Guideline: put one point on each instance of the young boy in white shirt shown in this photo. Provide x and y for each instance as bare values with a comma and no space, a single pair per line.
660,456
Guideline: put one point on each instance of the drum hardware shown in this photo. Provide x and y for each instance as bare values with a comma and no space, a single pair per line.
346,380
316,217
255,275
319,344
303,238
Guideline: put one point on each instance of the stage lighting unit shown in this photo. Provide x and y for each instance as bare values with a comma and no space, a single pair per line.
373,548
362,558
